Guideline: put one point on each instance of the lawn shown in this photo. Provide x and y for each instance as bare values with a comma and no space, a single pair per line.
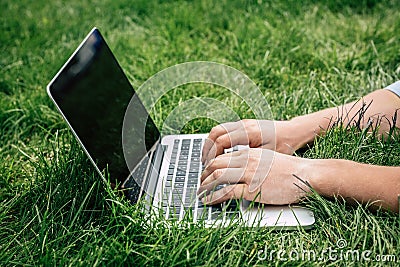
303,55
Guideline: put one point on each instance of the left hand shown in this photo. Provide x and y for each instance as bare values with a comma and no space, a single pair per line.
255,174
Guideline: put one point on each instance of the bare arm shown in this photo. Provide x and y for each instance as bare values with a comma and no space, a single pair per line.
382,104
379,185
362,182
288,136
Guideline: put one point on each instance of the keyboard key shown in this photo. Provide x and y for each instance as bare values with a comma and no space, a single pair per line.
173,215
193,182
164,210
182,168
176,202
195,164
191,192
216,215
232,214
182,162
185,147
232,206
217,207
179,179
177,192
165,200
180,173
178,185
202,213
167,190
201,204
195,159
194,170
189,204
193,176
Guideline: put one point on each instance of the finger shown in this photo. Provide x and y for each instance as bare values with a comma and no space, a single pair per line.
231,160
208,143
222,176
215,133
224,128
225,141
236,191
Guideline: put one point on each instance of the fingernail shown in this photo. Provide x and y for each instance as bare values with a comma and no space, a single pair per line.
201,193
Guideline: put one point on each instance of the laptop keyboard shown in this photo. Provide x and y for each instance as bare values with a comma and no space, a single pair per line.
180,189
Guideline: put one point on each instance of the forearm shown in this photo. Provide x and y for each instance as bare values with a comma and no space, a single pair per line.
364,183
382,104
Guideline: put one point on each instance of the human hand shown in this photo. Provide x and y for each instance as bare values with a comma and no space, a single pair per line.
256,174
280,136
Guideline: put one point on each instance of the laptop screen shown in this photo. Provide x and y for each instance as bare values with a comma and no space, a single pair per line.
93,93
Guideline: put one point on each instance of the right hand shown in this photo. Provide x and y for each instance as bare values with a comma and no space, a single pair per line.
255,174
274,135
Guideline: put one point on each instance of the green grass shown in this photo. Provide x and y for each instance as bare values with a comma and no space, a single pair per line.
304,55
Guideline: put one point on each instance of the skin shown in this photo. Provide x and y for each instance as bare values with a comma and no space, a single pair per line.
266,172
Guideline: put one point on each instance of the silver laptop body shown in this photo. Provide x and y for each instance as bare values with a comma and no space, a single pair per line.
92,93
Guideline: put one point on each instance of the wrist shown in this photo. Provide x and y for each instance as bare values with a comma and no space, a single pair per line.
323,176
300,132
287,140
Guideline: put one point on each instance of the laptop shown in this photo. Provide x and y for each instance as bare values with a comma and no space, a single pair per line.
93,95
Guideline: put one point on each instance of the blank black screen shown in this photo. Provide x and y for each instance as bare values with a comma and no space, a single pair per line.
93,93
